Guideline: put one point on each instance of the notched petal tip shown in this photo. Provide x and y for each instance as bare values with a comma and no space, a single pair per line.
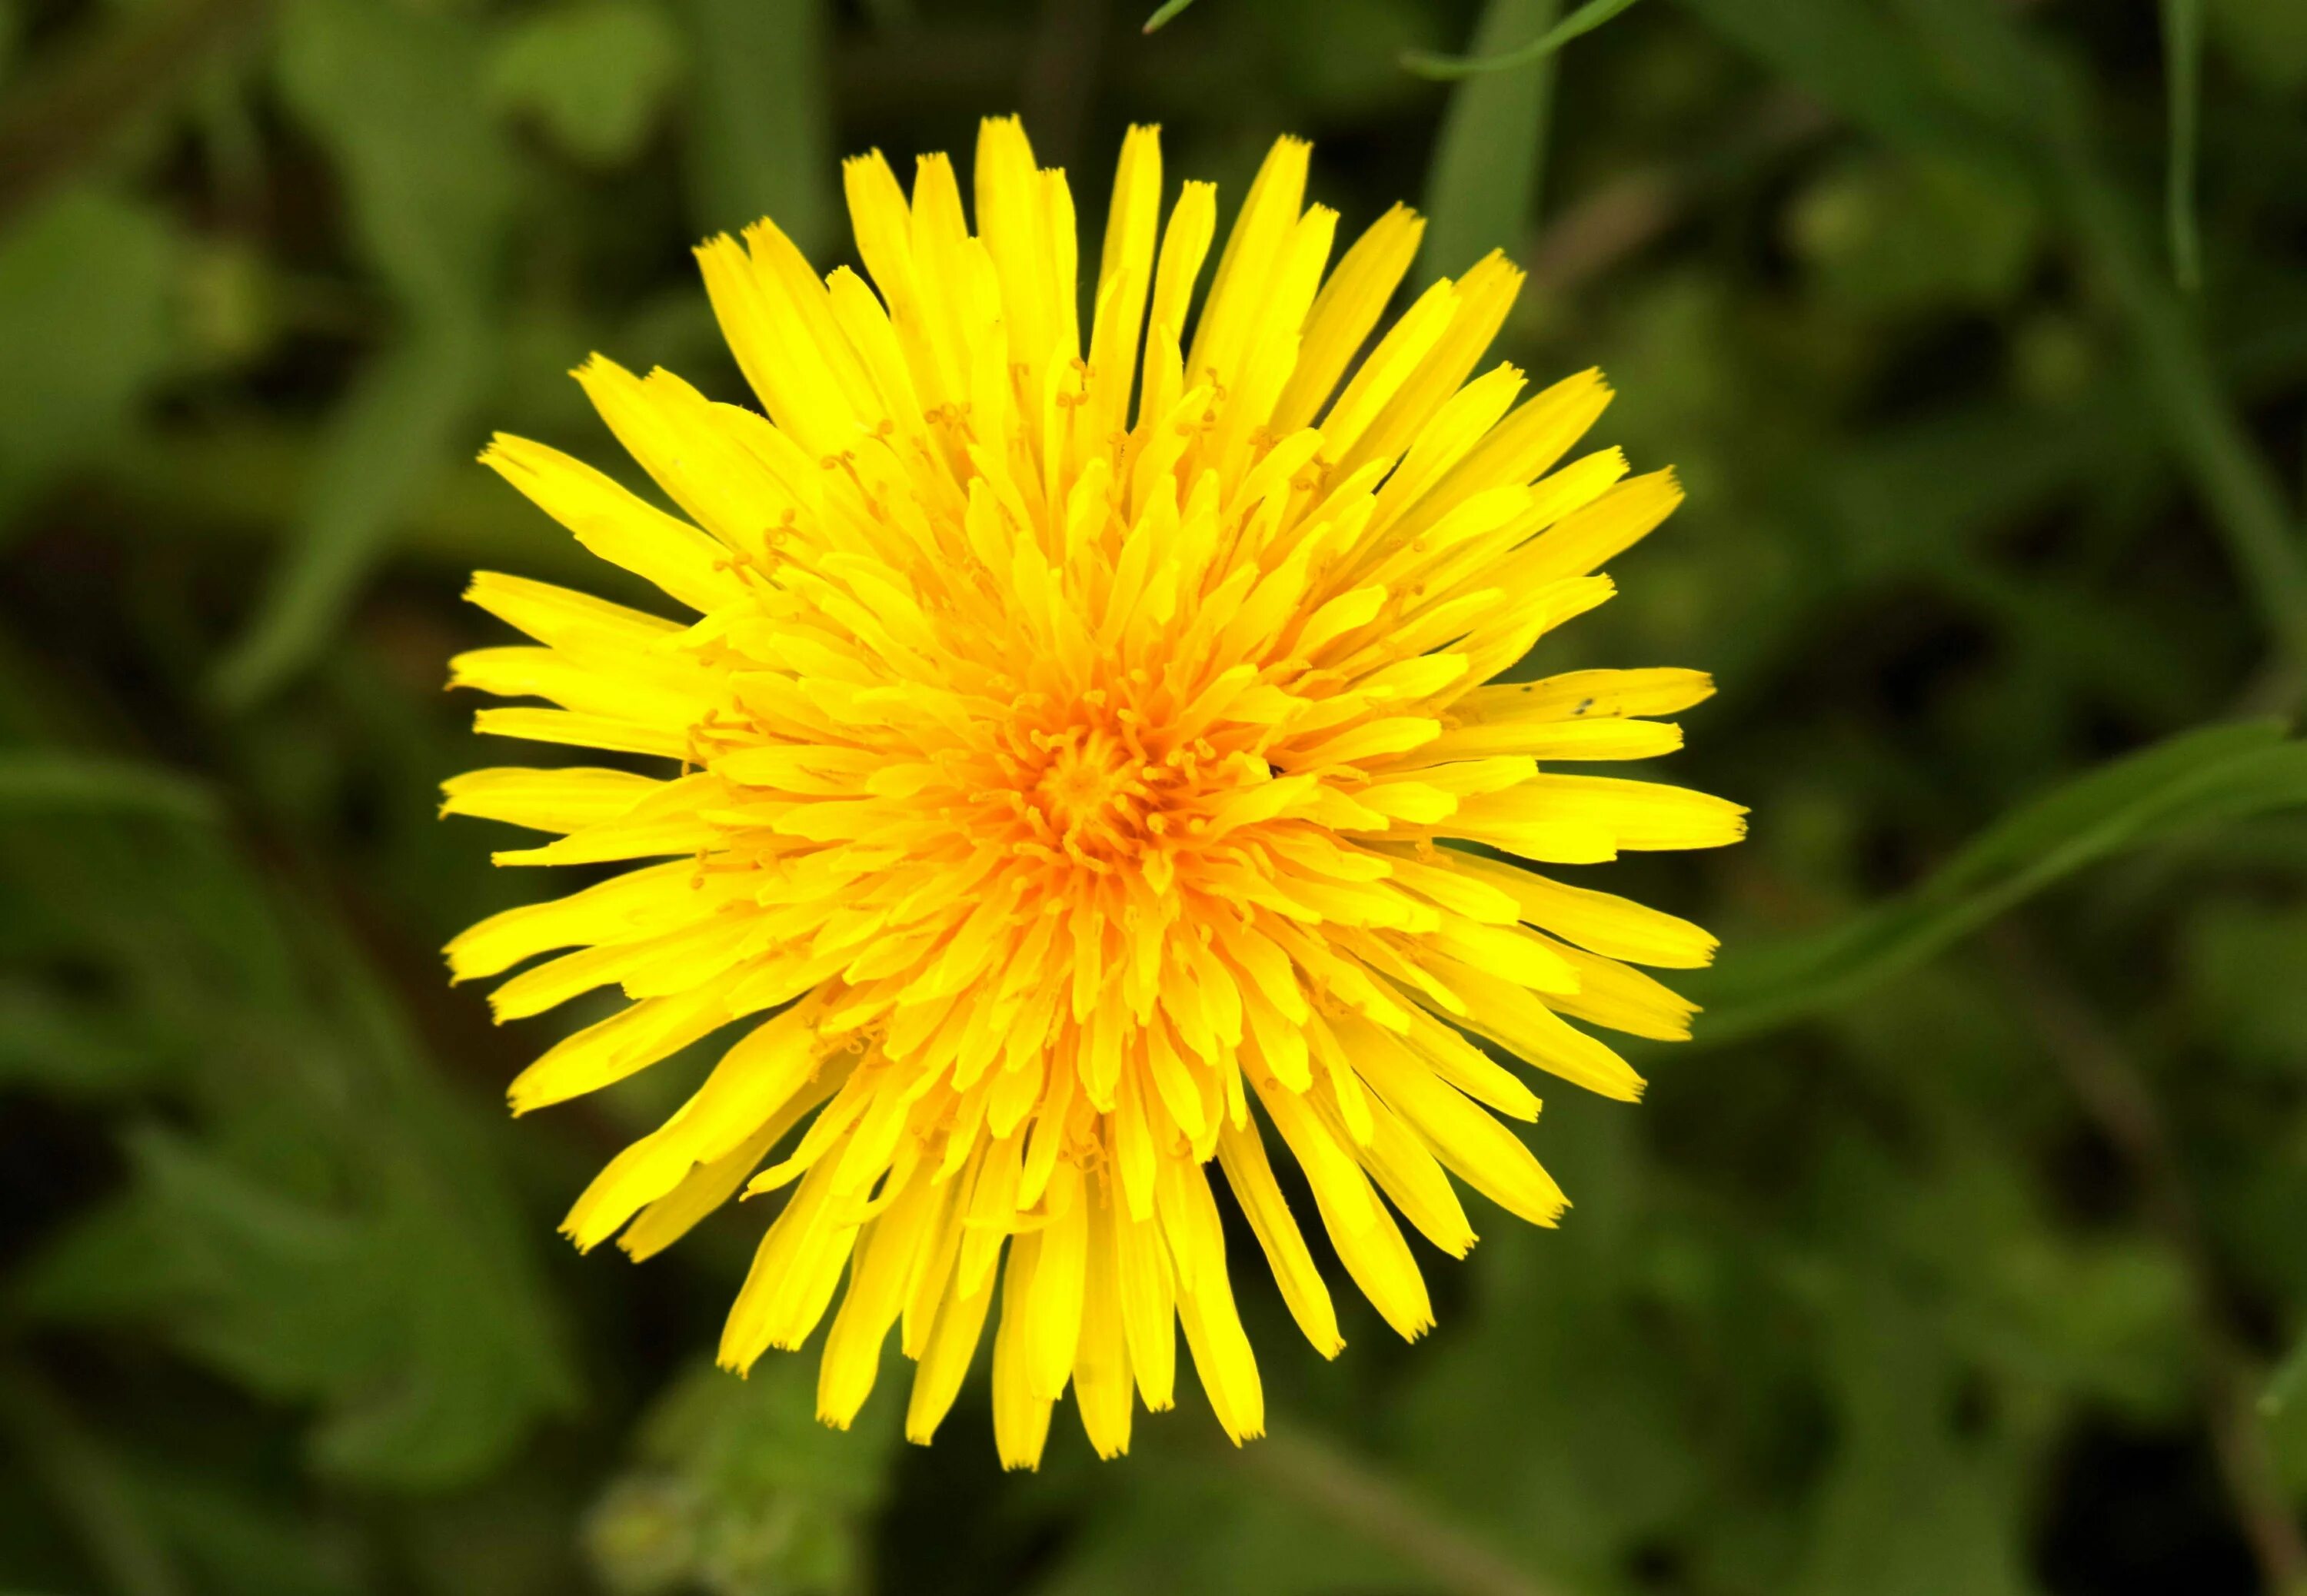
710,251
503,454
578,1238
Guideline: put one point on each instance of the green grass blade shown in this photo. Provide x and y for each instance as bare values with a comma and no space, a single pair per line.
51,782
2202,778
1426,64
2206,433
1481,190
761,135
1164,17
382,458
2183,79
2039,122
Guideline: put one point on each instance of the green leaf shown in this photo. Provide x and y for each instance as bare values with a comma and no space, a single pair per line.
73,1049
1481,190
2219,773
380,460
473,1354
1168,12
395,96
331,1230
738,1489
1583,20
42,780
392,1309
1965,82
593,76
2182,81
1907,1507
85,329
2290,1381
760,137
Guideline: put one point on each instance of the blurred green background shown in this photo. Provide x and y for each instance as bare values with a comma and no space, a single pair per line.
1965,1252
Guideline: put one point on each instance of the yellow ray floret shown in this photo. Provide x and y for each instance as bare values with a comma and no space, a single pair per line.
1069,773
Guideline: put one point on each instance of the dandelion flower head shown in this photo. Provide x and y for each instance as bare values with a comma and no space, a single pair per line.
1081,778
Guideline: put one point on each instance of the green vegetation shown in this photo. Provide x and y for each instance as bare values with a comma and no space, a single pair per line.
1964,1254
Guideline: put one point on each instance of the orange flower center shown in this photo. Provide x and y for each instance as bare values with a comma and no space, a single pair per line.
1094,790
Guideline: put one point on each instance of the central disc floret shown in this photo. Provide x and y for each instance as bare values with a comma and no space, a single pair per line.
1104,786
1094,793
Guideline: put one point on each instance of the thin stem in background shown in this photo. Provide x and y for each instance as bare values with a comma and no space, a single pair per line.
1367,1504
1426,64
2182,78
85,1484
2116,1095
2239,488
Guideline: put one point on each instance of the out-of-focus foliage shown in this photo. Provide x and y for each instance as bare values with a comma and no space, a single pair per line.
738,1489
85,284
1963,1254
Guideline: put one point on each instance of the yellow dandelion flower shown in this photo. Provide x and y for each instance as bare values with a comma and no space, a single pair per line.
1078,747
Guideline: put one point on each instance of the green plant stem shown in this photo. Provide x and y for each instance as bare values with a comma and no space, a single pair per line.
2084,1049
2182,77
2245,500
1588,17
1367,1504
